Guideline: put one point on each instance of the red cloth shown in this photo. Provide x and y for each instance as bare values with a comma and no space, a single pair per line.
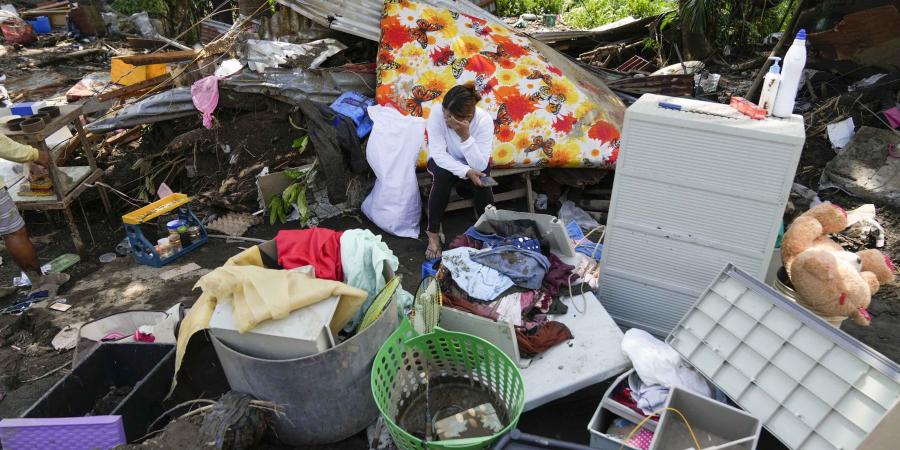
317,247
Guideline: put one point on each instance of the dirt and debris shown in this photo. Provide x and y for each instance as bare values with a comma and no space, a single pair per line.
219,167
109,401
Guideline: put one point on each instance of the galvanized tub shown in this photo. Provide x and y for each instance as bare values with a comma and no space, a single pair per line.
325,397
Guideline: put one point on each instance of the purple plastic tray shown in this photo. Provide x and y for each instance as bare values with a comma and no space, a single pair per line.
69,433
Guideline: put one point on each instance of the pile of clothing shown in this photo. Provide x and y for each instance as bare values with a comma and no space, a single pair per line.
356,257
504,271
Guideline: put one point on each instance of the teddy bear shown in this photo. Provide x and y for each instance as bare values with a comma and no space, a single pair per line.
828,280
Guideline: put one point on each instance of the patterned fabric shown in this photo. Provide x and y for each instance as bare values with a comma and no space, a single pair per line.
541,117
10,220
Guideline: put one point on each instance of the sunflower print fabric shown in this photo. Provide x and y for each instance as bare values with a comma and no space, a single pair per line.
541,118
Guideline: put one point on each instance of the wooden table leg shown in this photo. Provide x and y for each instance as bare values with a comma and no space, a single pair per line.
104,197
529,193
73,230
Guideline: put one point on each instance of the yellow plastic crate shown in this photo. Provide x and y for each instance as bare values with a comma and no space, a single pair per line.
156,209
125,74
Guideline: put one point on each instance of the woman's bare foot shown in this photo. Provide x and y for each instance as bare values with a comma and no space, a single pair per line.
434,246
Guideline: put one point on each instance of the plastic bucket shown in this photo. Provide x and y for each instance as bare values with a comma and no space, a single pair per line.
407,359
323,397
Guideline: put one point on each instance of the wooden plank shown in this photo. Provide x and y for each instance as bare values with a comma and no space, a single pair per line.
135,89
53,204
160,58
501,197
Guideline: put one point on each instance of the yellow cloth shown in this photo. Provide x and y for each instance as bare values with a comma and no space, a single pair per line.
259,294
16,152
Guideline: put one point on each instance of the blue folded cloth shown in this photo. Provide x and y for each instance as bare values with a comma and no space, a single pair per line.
587,247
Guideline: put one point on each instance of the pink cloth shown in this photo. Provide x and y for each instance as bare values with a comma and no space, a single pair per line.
205,93
893,116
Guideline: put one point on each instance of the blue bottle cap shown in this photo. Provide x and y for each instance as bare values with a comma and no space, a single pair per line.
801,35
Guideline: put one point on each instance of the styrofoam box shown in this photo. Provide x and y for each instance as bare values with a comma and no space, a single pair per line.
812,385
303,332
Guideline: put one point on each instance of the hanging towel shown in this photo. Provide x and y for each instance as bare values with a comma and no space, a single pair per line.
394,204
364,257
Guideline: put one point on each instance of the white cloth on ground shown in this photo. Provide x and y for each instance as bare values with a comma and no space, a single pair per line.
649,397
394,204
457,156
657,363
479,281
363,259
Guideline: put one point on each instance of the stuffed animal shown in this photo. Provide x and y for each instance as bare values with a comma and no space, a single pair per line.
828,280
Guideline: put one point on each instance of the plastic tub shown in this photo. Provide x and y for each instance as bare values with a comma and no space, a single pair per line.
146,368
41,25
517,440
713,423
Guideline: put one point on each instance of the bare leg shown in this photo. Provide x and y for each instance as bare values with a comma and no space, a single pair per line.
22,251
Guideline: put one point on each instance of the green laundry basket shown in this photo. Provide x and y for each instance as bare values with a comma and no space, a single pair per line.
398,373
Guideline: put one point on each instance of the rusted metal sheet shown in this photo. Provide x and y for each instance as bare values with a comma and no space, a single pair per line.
674,85
636,64
210,30
870,37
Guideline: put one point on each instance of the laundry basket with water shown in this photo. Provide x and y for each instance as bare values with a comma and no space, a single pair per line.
420,379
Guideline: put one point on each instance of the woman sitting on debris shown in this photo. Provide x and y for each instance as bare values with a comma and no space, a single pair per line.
460,139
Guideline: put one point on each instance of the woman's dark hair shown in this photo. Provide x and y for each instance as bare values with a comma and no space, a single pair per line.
461,100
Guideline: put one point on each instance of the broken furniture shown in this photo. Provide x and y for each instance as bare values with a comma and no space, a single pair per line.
812,385
565,368
142,249
608,410
714,196
129,380
66,192
715,424
527,173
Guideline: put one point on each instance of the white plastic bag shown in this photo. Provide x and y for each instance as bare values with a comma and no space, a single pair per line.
394,204
657,363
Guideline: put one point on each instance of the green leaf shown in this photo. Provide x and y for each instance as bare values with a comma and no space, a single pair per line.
303,206
300,143
276,208
293,174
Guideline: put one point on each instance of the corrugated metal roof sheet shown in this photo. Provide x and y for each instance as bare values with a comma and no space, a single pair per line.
362,17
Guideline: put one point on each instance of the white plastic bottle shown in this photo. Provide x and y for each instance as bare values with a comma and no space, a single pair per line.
792,70
770,87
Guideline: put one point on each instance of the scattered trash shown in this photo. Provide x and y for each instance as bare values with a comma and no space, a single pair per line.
60,305
179,271
67,338
107,258
540,202
234,224
867,166
840,133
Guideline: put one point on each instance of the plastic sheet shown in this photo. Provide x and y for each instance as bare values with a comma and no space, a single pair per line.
167,105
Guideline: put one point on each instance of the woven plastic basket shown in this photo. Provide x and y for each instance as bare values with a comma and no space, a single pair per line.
399,373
